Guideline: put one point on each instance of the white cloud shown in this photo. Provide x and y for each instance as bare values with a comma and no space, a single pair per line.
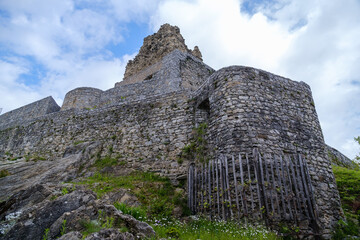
66,39
224,34
14,94
311,41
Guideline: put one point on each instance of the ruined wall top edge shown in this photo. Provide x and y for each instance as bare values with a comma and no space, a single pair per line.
83,97
287,83
36,109
157,69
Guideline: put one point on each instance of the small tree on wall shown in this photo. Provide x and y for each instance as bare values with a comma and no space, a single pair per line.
357,158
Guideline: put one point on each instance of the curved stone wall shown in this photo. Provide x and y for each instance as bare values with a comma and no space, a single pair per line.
79,98
249,108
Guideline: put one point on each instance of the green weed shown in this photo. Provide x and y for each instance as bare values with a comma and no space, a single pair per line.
197,148
78,142
137,212
4,173
90,227
46,234
64,191
107,161
63,228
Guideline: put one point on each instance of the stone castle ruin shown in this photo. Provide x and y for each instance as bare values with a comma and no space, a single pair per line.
249,142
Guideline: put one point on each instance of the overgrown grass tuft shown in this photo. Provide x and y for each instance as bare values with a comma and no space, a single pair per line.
348,183
157,194
90,227
4,173
137,212
107,161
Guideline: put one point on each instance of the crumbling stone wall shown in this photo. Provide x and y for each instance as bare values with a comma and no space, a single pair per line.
39,108
155,47
147,134
177,71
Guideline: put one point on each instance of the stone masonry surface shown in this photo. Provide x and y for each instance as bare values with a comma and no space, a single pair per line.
81,98
30,111
148,123
249,108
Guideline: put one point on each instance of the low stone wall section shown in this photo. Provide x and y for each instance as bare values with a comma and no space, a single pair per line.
36,109
147,135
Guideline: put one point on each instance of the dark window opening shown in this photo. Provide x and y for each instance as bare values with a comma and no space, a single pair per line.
205,105
148,77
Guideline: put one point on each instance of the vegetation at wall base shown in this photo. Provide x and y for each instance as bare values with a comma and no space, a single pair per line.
159,198
348,183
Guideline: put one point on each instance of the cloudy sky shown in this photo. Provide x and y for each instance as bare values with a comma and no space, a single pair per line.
48,47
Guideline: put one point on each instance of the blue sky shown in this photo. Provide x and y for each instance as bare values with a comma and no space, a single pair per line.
48,47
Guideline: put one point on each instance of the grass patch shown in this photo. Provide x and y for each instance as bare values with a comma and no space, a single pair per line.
107,161
90,227
102,222
348,183
157,194
137,212
4,173
209,229
78,142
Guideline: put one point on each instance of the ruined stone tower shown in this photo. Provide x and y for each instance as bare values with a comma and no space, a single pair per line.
150,119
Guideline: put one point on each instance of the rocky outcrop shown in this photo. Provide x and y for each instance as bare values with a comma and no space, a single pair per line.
25,173
156,46
34,213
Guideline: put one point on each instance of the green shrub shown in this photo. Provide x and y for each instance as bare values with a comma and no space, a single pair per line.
64,191
136,212
4,173
90,227
107,161
46,234
63,228
345,229
196,150
101,222
348,183
78,142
